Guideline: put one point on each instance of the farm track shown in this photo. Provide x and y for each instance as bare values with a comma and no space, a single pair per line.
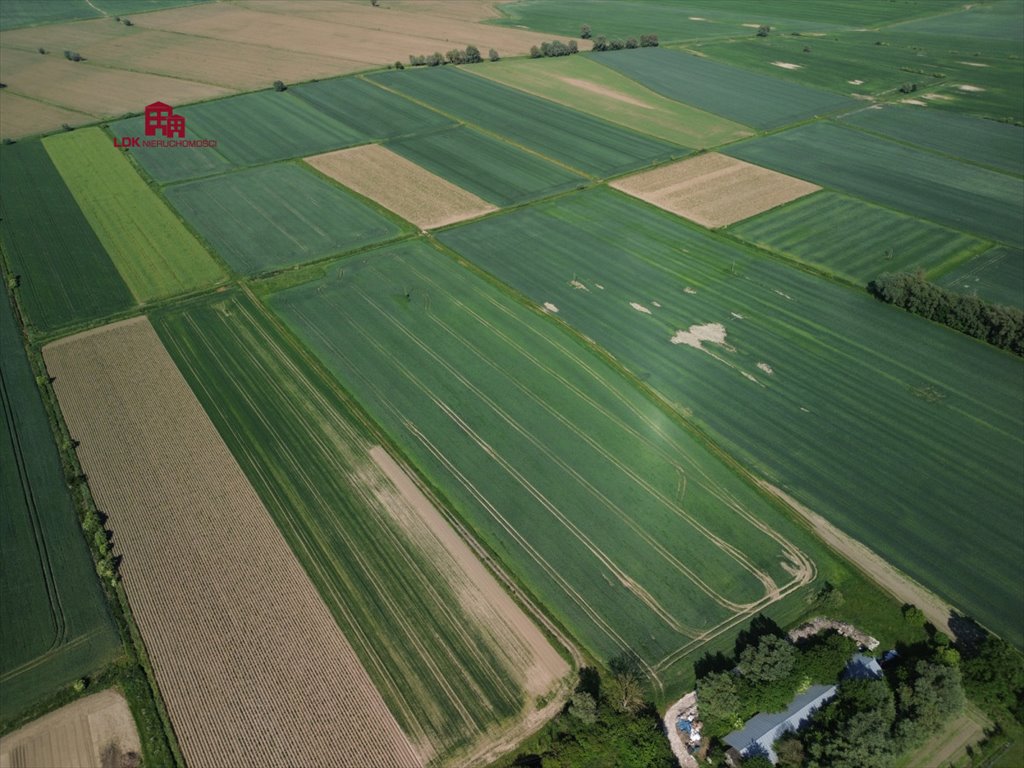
249,660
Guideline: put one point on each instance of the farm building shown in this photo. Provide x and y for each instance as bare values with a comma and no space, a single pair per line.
761,731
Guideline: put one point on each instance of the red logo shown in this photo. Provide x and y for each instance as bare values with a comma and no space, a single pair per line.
161,117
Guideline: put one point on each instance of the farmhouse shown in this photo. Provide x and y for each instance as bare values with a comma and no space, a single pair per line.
761,731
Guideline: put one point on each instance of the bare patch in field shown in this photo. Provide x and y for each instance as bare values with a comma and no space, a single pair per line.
855,82
639,307
601,90
766,368
77,734
550,307
972,63
970,88
413,192
714,190
936,97
251,664
914,102
695,337
787,65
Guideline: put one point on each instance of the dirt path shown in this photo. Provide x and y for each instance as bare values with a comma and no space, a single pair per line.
885,575
74,736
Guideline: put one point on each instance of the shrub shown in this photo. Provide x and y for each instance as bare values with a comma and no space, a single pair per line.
632,43
763,30
648,41
279,86
535,52
585,32
399,65
617,44
42,50
493,55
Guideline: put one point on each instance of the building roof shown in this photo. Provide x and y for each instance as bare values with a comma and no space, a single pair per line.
862,667
761,731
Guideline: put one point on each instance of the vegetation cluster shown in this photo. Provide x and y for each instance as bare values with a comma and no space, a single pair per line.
471,55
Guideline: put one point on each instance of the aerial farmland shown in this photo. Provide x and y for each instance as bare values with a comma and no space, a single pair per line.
450,383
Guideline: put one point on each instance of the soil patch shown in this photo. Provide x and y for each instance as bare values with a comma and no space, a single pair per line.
600,90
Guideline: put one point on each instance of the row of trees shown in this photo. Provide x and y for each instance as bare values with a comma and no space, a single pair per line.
554,48
471,55
602,43
998,325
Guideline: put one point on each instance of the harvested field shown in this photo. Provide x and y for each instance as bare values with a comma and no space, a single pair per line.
400,185
21,116
714,190
261,648
77,735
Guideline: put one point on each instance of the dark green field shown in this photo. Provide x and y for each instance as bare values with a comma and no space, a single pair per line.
54,622
165,164
582,142
278,216
64,274
895,429
996,275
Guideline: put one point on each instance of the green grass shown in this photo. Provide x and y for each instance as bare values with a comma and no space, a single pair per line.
986,142
54,623
921,183
171,164
305,450
654,115
705,18
579,483
580,141
748,98
856,240
65,275
277,216
996,275
905,434
372,112
154,252
495,170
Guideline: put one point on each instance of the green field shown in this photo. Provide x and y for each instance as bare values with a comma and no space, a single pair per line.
278,216
895,429
265,126
154,252
54,622
590,495
921,183
172,164
746,97
579,141
704,18
373,113
986,142
29,13
65,275
305,451
996,275
583,84
490,168
856,240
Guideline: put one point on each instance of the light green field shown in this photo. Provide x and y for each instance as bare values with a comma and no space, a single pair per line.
856,240
584,84
154,252
894,428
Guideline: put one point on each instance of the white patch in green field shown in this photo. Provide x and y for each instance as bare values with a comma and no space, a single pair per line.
639,307
766,368
550,307
698,334
690,290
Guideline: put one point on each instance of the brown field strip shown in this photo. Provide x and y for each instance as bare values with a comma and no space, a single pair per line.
23,117
414,193
251,664
714,190
74,736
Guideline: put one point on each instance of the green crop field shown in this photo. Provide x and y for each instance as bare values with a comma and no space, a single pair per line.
704,18
583,84
277,216
746,97
580,141
493,169
940,189
64,274
597,502
54,623
896,429
996,275
373,113
986,142
857,240
154,252
29,13
171,164
445,678
262,127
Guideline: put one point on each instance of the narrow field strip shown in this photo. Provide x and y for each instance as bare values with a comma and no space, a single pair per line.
414,193
714,190
152,250
261,647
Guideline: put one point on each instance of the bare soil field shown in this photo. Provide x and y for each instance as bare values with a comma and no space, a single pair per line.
251,664
714,190
20,116
400,185
75,736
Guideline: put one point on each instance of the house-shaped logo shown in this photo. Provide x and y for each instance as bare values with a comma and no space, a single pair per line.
160,117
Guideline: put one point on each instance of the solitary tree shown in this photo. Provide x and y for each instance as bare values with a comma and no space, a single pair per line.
493,55
279,86
585,32
763,30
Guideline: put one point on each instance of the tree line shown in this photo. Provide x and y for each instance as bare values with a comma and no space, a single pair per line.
554,48
469,55
1000,326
